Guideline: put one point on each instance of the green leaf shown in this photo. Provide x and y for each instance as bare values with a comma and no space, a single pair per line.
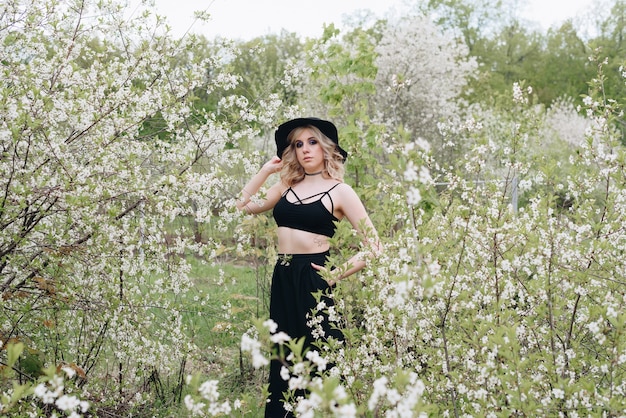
14,351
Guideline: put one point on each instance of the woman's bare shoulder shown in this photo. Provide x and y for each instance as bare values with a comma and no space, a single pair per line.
343,188
344,195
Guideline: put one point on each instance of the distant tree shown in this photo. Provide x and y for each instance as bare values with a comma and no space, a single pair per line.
422,74
610,44
563,68
472,20
507,57
262,62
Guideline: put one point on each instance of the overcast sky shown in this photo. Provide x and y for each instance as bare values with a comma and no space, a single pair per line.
246,19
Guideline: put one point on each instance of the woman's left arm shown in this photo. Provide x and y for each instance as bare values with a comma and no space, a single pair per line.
352,208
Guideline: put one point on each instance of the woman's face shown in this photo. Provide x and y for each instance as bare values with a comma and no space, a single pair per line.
309,151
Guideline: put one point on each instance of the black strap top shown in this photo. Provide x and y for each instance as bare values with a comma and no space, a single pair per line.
310,217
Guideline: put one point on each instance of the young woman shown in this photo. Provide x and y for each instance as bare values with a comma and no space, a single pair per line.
307,201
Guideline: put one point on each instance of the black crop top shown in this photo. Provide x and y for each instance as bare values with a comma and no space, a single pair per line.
310,217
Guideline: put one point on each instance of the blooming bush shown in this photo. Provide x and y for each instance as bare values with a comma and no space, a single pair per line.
317,388
500,291
104,155
50,395
481,307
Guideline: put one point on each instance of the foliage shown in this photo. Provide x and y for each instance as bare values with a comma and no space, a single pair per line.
610,44
121,149
474,20
93,266
52,392
263,61
498,312
565,54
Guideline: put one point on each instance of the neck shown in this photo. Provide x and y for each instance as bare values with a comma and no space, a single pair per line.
313,174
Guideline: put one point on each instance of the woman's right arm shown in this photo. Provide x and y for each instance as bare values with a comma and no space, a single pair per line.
261,204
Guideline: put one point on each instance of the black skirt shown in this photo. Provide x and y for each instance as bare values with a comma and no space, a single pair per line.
291,299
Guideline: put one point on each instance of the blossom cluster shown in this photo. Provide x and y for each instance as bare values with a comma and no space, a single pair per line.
308,372
205,401
49,395
52,393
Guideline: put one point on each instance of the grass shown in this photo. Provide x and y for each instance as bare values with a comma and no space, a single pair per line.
226,299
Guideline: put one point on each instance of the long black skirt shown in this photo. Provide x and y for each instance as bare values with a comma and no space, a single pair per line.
291,299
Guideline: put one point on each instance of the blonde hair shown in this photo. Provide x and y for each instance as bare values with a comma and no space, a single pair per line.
293,172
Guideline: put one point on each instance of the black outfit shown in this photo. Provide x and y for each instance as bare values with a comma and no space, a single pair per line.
311,217
294,281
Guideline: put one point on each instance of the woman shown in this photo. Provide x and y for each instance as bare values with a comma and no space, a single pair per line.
307,201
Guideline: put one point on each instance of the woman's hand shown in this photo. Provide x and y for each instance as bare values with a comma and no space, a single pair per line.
328,275
272,166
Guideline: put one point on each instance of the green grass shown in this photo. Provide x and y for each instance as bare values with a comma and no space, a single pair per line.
224,301
224,297
233,298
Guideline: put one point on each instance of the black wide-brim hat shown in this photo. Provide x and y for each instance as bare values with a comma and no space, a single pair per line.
326,127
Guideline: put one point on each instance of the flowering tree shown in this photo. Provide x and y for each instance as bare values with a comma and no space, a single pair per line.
497,312
421,75
473,309
102,151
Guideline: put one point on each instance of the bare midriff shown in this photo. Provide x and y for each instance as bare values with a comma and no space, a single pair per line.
295,241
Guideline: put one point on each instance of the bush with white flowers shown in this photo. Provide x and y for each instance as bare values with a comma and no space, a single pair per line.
500,291
53,394
483,307
104,152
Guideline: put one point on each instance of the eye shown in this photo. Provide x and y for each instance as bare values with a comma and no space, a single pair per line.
312,141
299,144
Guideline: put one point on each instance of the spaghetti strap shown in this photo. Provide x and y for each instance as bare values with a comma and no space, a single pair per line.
294,193
332,204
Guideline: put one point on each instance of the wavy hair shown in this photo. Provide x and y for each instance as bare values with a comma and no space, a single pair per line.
293,172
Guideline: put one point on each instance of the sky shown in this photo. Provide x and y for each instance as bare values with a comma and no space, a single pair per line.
246,19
